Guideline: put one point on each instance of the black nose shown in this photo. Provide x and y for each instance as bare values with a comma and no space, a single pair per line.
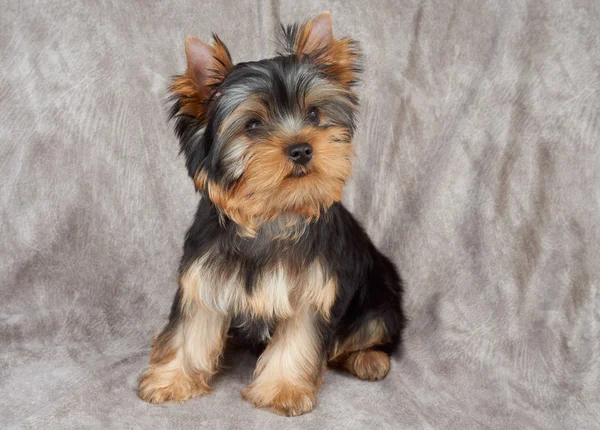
300,153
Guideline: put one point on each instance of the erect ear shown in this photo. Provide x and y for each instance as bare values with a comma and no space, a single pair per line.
314,40
317,35
207,68
207,65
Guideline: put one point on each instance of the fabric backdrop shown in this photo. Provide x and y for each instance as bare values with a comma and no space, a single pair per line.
478,173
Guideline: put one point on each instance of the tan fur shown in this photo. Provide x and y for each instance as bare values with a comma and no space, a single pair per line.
355,356
200,180
170,383
195,89
184,358
289,372
339,57
369,335
312,287
272,297
204,286
278,293
162,347
369,364
268,188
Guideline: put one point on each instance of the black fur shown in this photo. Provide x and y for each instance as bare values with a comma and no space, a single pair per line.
281,83
368,283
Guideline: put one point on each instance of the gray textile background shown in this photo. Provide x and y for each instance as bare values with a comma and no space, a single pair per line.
478,173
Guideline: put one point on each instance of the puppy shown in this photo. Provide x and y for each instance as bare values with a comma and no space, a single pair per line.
272,256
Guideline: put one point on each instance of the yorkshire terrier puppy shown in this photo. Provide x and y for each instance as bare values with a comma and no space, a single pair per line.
272,256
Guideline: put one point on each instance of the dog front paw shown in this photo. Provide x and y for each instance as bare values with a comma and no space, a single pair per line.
160,384
281,397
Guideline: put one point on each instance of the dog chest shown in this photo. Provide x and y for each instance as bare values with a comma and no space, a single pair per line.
277,294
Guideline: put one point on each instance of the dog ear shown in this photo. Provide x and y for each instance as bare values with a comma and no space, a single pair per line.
207,65
207,68
314,40
317,35
192,93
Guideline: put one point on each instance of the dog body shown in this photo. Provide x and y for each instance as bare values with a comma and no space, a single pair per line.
273,257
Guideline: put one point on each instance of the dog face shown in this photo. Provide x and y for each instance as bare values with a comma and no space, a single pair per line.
271,137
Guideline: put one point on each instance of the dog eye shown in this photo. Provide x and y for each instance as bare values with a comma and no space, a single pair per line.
253,125
313,116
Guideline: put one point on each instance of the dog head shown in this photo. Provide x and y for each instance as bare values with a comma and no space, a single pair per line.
272,137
